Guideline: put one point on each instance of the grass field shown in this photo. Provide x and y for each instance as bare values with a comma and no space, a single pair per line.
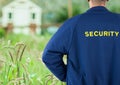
20,61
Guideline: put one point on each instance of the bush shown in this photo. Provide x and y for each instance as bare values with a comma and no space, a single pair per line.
2,32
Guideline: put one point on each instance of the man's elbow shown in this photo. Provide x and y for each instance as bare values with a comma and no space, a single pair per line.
44,59
63,80
53,69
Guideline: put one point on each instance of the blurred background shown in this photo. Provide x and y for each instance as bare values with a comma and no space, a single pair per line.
25,28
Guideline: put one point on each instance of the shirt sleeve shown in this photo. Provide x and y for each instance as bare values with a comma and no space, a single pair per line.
55,49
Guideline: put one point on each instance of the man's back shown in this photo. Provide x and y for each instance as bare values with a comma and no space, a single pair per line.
92,43
94,57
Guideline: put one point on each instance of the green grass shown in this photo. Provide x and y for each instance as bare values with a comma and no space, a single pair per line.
20,61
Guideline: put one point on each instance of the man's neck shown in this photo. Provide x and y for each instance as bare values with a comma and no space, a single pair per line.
91,4
96,5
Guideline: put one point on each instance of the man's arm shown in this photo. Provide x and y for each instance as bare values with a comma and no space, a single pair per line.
53,60
56,48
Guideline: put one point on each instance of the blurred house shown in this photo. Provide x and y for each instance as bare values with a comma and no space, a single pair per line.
23,16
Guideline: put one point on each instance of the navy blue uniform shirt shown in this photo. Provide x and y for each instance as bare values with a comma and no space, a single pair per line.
91,42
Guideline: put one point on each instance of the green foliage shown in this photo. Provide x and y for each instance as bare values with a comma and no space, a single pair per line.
2,32
21,61
62,14
14,71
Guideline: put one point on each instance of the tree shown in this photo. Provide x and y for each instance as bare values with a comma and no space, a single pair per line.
70,11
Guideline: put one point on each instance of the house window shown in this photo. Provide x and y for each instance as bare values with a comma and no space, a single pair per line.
10,15
33,16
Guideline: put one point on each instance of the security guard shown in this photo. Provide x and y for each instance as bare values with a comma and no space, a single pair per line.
91,42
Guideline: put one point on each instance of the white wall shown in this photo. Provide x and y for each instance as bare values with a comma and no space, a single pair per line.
21,15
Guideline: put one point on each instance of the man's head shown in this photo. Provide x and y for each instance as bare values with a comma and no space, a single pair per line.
94,3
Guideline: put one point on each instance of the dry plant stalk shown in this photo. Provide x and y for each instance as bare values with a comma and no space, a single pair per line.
16,61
